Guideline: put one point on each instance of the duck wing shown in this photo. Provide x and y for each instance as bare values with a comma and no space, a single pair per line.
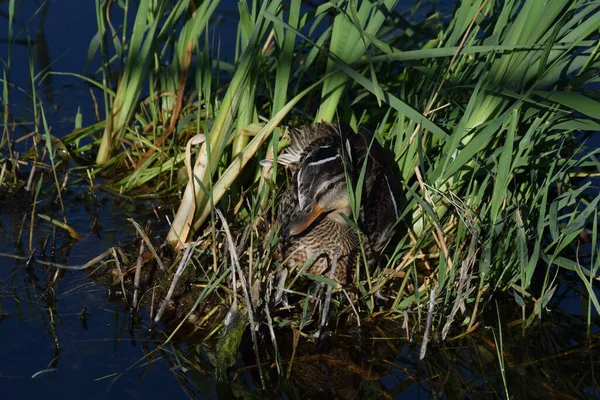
379,205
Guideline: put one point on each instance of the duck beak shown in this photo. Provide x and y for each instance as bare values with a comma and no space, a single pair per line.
303,221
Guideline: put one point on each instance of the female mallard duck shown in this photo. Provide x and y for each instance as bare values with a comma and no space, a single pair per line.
314,210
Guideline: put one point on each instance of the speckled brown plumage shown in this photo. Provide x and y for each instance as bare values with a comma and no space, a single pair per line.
313,209
319,244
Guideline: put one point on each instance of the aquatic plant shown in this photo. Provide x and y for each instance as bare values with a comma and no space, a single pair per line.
486,114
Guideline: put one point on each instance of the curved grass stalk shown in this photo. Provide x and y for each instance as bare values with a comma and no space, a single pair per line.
211,151
187,207
237,164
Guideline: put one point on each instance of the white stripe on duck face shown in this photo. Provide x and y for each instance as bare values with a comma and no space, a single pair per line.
323,161
322,156
332,183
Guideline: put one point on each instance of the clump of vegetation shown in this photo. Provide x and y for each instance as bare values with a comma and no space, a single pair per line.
486,112
480,111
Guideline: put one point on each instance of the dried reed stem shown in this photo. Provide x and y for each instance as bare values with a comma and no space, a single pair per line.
249,304
427,325
136,279
185,261
328,294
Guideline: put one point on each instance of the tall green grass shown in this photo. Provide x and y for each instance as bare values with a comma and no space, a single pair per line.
484,111
5,141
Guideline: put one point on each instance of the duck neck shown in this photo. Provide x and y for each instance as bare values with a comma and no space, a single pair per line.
337,216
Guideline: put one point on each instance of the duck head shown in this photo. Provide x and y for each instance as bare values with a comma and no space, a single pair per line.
332,204
322,190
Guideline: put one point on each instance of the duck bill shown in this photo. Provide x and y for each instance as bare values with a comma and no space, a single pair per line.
303,221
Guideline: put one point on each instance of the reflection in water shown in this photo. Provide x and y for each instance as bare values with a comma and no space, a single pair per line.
544,364
37,46
46,37
58,325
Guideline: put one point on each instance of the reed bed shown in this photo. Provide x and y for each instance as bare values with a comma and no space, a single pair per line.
487,109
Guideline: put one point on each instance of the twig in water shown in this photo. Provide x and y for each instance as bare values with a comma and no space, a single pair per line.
273,338
90,263
328,294
2,173
118,265
65,181
152,302
29,185
405,324
428,324
185,260
146,239
136,279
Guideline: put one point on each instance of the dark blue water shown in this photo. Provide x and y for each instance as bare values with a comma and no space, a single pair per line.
60,33
70,356
42,327
61,36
